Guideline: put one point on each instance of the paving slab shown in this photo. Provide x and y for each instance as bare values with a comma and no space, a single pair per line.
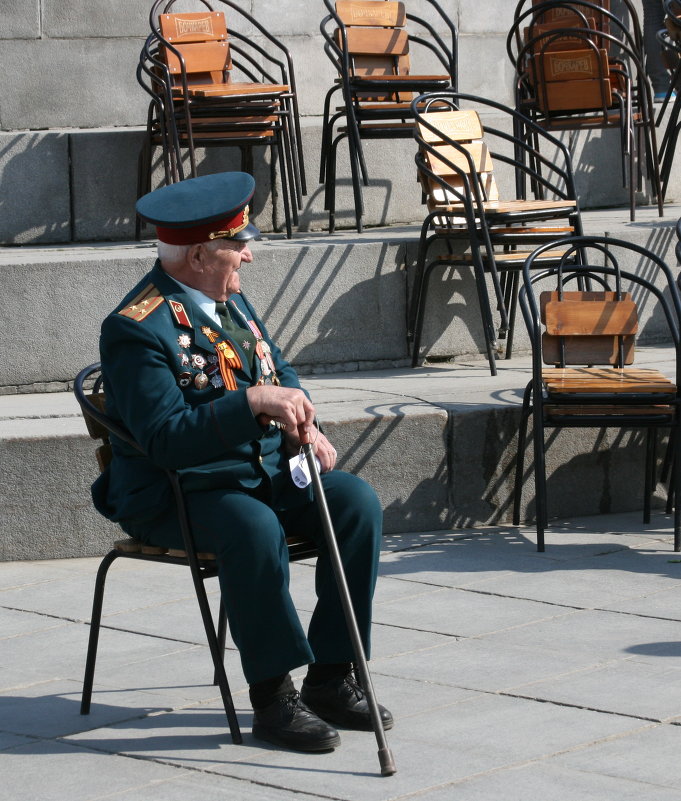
506,677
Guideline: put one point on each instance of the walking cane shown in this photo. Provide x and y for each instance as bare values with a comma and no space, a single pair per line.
385,756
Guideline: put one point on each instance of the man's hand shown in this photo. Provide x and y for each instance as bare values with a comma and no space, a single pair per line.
321,447
290,407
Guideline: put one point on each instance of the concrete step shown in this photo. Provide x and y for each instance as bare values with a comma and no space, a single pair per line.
333,303
437,443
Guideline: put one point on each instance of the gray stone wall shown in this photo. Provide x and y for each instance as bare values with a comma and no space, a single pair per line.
72,113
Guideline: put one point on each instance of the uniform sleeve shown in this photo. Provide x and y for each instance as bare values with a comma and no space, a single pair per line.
142,392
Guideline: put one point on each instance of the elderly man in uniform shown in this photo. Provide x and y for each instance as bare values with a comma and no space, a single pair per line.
190,370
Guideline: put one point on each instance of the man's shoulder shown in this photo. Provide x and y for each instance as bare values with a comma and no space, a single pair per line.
140,305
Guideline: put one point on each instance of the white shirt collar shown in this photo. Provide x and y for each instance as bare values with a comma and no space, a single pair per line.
206,304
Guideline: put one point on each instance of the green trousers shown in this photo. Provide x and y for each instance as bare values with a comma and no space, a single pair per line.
248,538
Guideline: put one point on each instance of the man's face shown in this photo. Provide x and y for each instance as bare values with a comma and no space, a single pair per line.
218,272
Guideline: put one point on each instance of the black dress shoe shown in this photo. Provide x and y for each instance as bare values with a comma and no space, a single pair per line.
343,702
288,722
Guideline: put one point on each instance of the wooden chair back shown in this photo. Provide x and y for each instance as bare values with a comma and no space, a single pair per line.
98,431
568,17
562,42
202,40
470,156
377,42
572,80
586,327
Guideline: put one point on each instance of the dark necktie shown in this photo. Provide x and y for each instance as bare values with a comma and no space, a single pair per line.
241,336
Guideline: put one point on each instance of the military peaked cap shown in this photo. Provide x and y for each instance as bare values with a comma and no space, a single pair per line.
200,209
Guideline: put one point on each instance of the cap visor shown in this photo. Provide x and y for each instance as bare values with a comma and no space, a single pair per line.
249,232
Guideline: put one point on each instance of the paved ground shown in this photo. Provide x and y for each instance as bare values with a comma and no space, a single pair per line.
513,675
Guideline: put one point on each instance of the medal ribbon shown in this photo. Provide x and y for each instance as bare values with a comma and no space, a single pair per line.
262,349
228,360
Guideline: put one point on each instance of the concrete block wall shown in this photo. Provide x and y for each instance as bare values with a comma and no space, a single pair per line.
72,116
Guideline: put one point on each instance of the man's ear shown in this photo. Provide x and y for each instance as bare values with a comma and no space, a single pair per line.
195,256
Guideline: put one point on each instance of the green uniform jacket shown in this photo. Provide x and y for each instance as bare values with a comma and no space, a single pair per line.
208,434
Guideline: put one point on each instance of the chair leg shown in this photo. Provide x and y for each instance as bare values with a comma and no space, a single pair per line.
95,620
520,456
649,484
222,634
539,475
676,484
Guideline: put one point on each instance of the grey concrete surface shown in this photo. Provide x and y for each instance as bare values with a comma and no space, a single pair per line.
333,304
77,73
437,443
512,675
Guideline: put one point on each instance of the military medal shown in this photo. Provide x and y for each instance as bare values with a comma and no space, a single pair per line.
184,379
200,380
184,341
268,371
184,359
208,332
198,361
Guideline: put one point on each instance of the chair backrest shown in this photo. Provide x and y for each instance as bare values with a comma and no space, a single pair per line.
456,155
587,327
567,80
561,14
375,40
584,311
201,39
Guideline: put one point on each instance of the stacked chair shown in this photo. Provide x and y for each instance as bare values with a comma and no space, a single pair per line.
211,87
370,43
578,67
582,317
670,41
481,228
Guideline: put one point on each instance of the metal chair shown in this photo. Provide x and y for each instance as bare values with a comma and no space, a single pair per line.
586,72
456,167
211,87
202,566
370,42
584,324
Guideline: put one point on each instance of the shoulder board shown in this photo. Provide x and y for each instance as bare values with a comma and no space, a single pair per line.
144,304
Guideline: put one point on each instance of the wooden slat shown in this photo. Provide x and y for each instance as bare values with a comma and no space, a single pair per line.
235,89
573,65
586,350
597,380
577,95
200,57
593,318
376,41
376,13
202,26
563,42
104,454
571,409
479,152
459,126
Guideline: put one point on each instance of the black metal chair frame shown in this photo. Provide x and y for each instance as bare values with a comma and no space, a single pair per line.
544,176
630,111
358,115
667,149
536,399
186,118
201,569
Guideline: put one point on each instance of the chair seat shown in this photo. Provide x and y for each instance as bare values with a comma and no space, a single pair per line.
231,90
603,380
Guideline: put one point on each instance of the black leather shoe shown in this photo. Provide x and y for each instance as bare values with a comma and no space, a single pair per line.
343,702
288,722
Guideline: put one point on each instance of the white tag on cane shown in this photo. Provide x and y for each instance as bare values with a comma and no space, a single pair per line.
300,471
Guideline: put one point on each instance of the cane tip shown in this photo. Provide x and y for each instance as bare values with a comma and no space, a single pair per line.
385,757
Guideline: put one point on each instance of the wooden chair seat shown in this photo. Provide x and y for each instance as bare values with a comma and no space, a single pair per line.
233,89
602,380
